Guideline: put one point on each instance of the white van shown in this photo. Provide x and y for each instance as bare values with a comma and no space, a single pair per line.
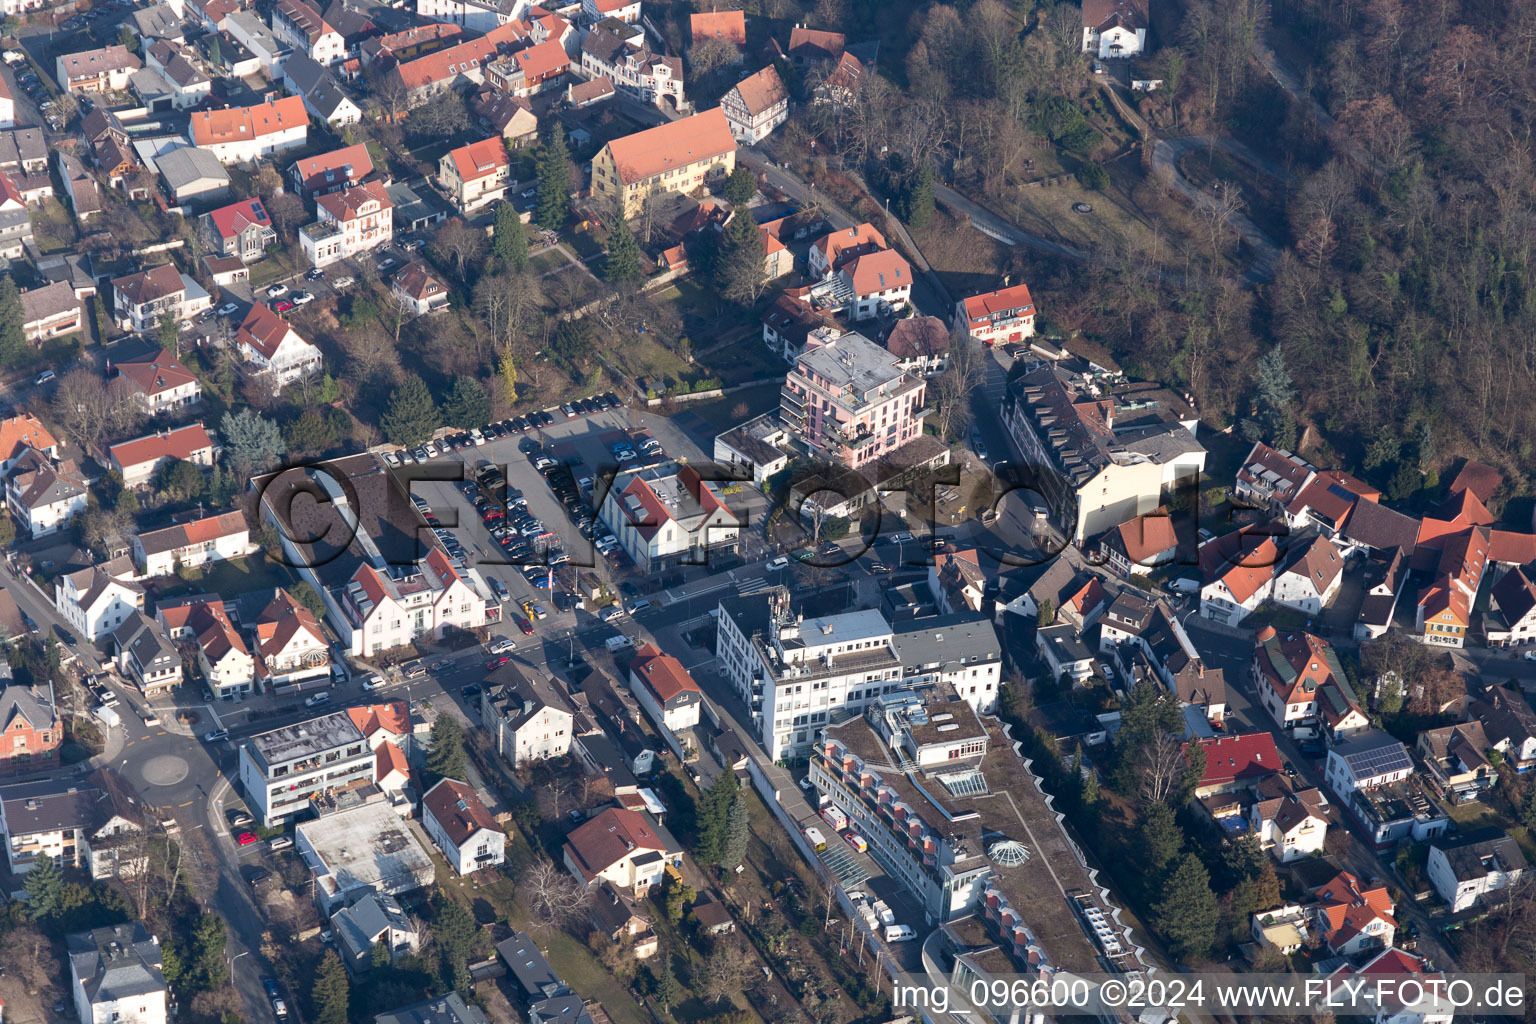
818,842
317,700
899,933
778,563
616,643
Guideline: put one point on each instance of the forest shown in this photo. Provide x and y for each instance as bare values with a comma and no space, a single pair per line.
1395,327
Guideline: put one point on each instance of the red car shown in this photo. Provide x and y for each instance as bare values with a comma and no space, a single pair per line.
282,305
245,839
496,663
524,625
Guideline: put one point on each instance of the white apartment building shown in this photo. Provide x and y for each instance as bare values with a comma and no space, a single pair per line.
532,722
1104,462
297,24
351,222
793,673
240,135
94,601
140,301
1465,872
284,769
391,609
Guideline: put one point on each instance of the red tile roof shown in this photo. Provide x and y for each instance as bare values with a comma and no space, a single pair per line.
663,673
389,759
728,25
1243,560
672,145
608,838
480,159
161,372
840,246
210,127
879,271
445,65
1234,759
391,716
263,330
181,443
980,309
545,60
350,163
347,204
23,431
814,44
1482,480
456,808
1146,537
230,220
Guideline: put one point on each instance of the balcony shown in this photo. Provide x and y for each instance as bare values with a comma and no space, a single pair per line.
320,232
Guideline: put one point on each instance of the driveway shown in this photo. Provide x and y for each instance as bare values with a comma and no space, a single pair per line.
1166,154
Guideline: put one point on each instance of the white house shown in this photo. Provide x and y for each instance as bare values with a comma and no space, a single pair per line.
1311,576
1237,575
1005,315
1115,28
1510,620
755,106
297,24
461,827
95,601
140,301
371,920
668,515
137,461
1422,1005
283,769
240,135
665,690
75,824
621,54
290,647
222,655
533,723
43,495
1366,761
476,175
1465,872
192,544
390,612
1289,827
115,975
621,846
273,349
351,221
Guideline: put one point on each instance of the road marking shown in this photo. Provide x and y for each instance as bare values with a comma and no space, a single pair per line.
189,803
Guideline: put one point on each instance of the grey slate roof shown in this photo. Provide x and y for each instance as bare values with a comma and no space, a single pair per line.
449,1009
947,640
534,976
187,165
1474,858
116,963
360,925
142,638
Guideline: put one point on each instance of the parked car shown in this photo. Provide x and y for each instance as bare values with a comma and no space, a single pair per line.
277,290
501,644
216,736
317,700
314,274
245,838
228,309
372,683
302,298
282,305
45,377
386,264
345,281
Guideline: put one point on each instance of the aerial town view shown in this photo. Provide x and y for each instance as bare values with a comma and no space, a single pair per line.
832,512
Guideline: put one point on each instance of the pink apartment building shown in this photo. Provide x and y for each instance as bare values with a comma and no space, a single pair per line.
851,402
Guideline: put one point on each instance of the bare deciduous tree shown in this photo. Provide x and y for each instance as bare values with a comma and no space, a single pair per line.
552,896
956,386
460,243
88,409
729,967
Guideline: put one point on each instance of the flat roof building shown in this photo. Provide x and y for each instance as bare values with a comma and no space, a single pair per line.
284,770
366,848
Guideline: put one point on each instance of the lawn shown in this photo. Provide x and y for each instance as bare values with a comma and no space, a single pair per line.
587,242
1047,211
549,259
236,576
264,272
737,363
642,356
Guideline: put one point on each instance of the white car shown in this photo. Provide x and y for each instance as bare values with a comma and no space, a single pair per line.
302,298
1529,655
277,291
477,437
228,308
343,282
778,563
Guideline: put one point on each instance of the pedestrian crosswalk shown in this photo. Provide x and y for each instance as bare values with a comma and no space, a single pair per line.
752,585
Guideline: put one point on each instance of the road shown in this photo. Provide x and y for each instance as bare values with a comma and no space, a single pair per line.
1166,154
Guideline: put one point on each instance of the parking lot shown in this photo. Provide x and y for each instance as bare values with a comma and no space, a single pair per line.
584,443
